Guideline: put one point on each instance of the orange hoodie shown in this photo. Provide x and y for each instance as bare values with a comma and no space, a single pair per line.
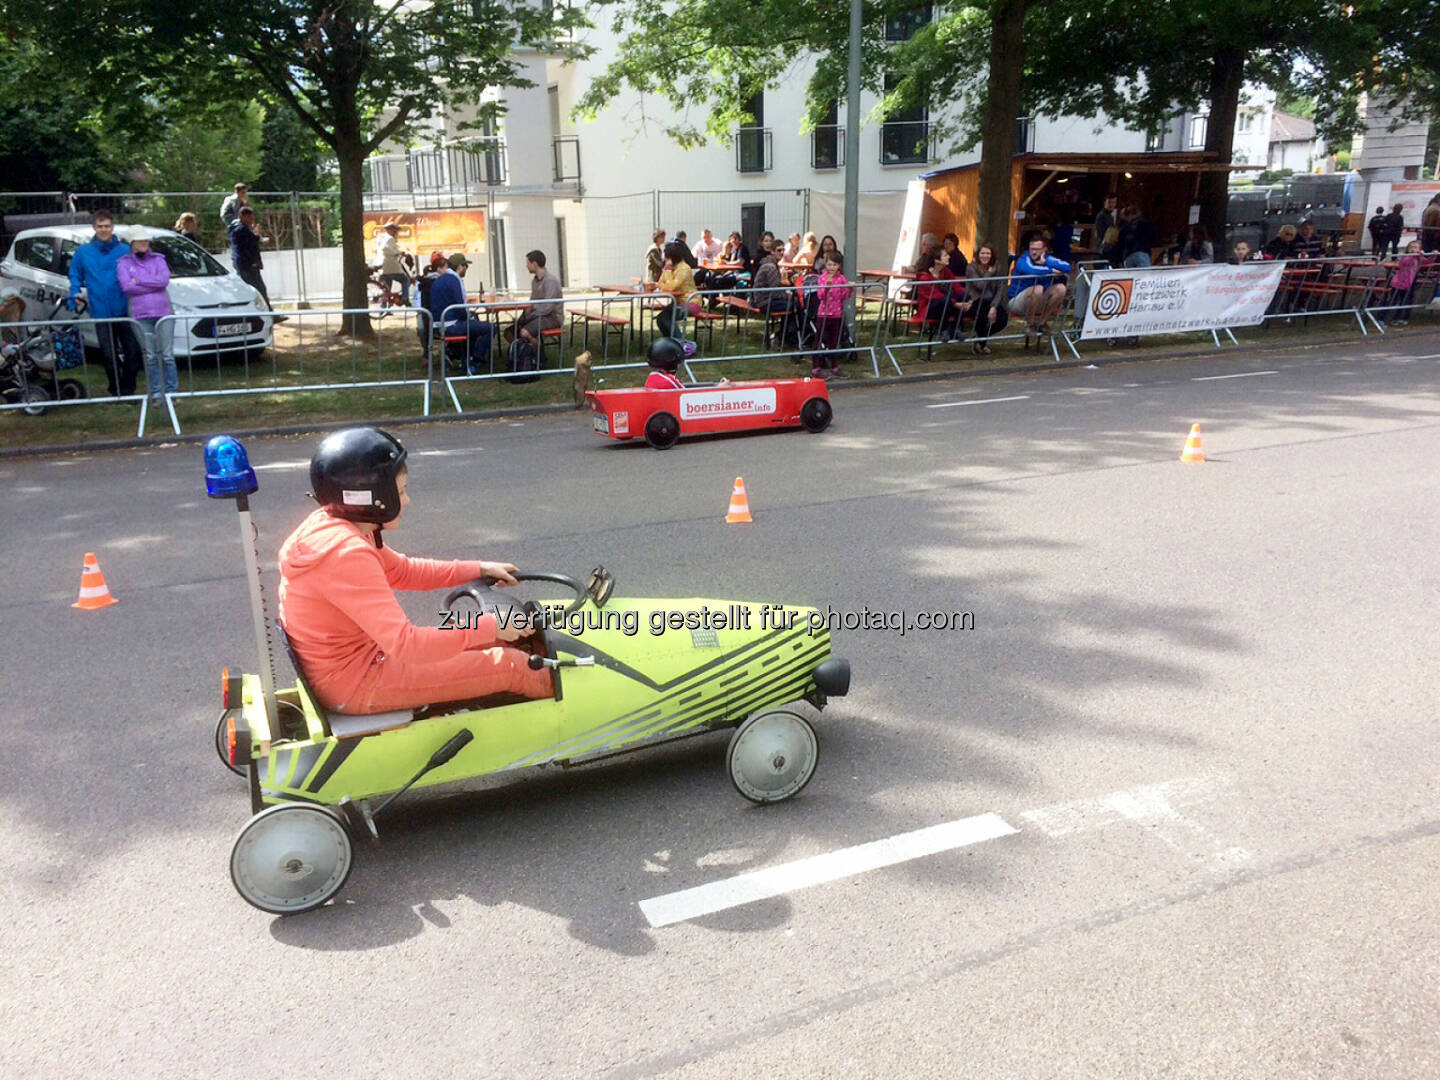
341,615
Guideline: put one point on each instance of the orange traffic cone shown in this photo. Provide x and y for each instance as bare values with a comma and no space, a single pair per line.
94,593
1192,451
739,504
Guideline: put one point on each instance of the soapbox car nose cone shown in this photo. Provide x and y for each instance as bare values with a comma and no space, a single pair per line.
832,677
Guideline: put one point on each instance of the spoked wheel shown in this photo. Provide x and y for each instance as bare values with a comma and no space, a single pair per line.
222,744
34,398
772,756
662,431
291,858
816,414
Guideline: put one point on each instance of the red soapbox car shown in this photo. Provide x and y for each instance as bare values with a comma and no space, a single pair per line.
662,416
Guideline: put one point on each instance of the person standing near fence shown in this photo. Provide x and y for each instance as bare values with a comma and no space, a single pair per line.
655,256
1104,222
230,208
830,318
145,278
1395,227
1430,225
185,225
93,269
1379,233
245,252
1402,285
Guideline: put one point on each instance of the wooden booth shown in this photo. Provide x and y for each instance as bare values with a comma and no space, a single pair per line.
1046,187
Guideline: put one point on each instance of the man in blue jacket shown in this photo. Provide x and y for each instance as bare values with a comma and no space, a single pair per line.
448,291
1034,294
92,268
245,252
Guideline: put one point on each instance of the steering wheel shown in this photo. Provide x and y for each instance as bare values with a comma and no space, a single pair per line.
481,590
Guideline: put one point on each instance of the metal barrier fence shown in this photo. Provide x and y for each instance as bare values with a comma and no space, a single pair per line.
46,364
786,316
331,348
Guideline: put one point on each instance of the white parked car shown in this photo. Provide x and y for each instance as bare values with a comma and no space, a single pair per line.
38,268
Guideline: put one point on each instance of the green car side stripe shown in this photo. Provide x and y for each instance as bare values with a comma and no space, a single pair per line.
340,750
620,726
795,677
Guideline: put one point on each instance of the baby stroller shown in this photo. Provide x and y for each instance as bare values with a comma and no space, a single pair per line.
32,356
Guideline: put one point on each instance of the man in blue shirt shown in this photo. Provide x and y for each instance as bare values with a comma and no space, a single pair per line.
448,291
93,268
245,252
1034,294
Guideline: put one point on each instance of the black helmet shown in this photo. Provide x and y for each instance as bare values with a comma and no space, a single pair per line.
353,474
665,353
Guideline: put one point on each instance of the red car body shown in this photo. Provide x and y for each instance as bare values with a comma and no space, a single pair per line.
663,416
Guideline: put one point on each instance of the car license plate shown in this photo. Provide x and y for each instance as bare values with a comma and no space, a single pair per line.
228,328
602,423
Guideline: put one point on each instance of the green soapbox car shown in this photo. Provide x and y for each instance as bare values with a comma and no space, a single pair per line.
628,674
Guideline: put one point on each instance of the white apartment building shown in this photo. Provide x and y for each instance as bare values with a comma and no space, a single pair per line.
589,193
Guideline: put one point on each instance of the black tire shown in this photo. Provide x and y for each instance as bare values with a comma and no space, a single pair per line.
662,431
815,415
72,390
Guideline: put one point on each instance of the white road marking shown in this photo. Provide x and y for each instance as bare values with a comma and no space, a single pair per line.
818,869
1152,806
1426,356
979,401
1238,375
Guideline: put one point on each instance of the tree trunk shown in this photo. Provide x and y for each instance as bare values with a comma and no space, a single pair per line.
350,156
1227,76
997,127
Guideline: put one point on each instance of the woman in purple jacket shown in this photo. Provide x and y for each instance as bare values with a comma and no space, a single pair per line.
145,277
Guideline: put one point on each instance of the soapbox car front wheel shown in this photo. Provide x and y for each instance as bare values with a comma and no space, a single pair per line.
662,431
772,756
815,415
291,858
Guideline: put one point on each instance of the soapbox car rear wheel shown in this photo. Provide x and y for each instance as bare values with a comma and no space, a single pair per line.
772,756
291,858
816,414
662,431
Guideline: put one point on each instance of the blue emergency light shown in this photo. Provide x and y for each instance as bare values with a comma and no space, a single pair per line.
228,474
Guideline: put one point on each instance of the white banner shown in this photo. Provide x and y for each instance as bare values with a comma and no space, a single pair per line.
1127,303
715,404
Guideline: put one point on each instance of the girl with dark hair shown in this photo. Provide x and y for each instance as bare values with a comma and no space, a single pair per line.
985,296
677,277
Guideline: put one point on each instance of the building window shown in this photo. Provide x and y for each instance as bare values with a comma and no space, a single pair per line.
902,25
1024,135
1247,121
1198,128
752,142
905,135
1155,140
827,141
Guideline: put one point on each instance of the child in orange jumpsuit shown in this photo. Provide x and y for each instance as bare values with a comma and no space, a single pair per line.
360,652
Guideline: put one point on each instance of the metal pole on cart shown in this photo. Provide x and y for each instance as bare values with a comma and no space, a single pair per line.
228,475
248,538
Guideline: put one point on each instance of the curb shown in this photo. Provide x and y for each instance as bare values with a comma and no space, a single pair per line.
152,441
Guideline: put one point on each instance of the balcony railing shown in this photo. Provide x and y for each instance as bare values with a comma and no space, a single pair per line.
754,150
827,147
458,175
566,150
905,142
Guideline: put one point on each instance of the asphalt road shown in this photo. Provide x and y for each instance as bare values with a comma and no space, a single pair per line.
1201,696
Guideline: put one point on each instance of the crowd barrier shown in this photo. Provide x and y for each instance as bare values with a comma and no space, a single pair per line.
317,355
791,321
47,364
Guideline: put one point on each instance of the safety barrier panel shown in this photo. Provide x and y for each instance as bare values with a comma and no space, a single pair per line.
391,349
46,364
729,308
